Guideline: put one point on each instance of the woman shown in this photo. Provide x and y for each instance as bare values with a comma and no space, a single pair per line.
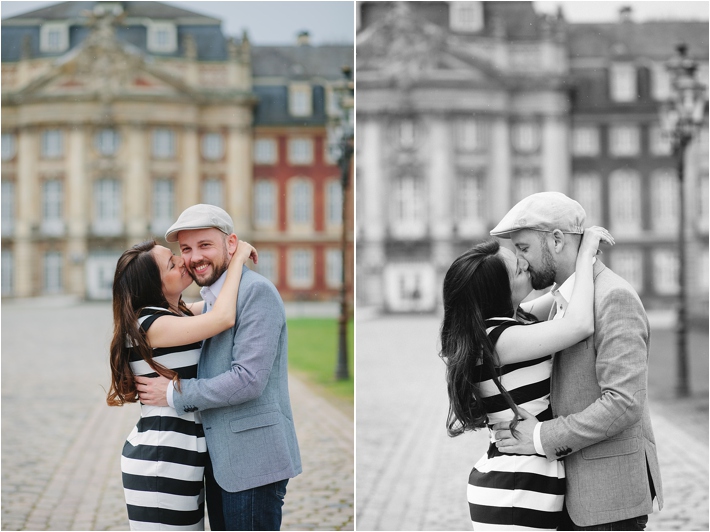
164,457
498,357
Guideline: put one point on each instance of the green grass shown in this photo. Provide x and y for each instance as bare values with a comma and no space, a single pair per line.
313,353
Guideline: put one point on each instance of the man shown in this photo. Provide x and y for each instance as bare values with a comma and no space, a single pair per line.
242,385
601,425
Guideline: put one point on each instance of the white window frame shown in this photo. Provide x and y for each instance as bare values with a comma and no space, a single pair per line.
52,144
334,267
622,79
300,271
587,190
54,37
300,99
108,207
526,136
265,205
162,37
334,203
664,201
659,143
300,150
660,82
265,151
466,17
8,207
163,143
213,191
269,265
162,205
470,200
526,181
666,271
585,141
628,263
470,135
107,141
213,146
625,206
53,274
301,202
9,146
624,140
409,215
52,207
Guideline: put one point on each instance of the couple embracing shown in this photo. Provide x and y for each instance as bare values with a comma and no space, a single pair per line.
211,376
560,381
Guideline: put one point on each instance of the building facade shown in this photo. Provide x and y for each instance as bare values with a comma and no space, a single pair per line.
116,117
466,107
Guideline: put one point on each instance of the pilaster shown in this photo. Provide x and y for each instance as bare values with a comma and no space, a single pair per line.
78,190
239,179
556,158
499,177
27,212
137,182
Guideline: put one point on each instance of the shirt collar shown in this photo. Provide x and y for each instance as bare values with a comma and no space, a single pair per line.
564,290
210,293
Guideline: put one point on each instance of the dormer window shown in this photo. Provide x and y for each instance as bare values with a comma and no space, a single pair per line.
162,37
54,37
623,82
466,17
300,100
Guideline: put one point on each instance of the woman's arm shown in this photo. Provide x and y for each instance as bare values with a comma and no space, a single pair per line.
517,344
196,307
169,331
539,307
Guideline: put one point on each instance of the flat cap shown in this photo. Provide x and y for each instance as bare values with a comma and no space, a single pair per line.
544,211
201,216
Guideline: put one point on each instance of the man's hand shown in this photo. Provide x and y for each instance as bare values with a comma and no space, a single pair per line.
152,391
523,444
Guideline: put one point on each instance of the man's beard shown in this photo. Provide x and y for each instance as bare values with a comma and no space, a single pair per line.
546,275
217,270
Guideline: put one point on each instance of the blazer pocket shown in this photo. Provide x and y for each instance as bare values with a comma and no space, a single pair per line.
609,448
254,422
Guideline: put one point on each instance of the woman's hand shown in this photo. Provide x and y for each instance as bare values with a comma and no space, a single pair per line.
593,236
244,252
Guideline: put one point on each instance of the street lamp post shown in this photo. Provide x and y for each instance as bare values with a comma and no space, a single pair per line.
340,139
681,115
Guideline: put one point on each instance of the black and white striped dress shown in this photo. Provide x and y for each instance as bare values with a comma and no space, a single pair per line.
164,457
515,492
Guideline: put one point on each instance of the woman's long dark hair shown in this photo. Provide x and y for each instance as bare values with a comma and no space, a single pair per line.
476,288
136,284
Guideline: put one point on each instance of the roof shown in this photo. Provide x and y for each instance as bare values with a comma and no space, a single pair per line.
301,62
655,40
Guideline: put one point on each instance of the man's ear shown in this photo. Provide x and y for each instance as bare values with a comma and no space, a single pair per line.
232,242
559,240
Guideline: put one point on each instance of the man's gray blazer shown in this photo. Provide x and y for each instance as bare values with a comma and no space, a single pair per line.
241,391
601,423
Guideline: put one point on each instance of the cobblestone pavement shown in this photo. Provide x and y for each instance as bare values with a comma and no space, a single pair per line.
412,476
61,444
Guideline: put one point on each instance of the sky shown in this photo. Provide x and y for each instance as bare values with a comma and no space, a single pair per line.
607,11
272,22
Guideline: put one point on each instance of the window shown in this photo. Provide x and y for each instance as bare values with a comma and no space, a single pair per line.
7,272
265,151
470,135
106,141
703,271
585,141
9,147
587,190
333,102
301,202
526,181
526,137
334,267
301,270
300,100
628,264
300,151
212,146
470,203
661,82
702,202
162,37
8,208
624,141
268,265
407,134
163,205
409,217
625,202
53,272
52,203
466,17
660,143
664,201
666,271
163,144
334,203
264,203
53,37
623,82
213,191
107,207
52,144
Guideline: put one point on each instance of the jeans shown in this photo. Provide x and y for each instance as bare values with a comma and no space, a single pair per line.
253,509
635,523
